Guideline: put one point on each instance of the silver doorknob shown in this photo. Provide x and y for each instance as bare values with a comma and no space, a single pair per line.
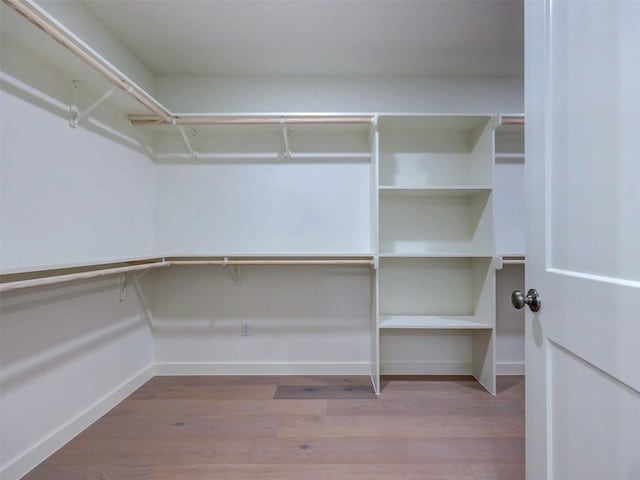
532,298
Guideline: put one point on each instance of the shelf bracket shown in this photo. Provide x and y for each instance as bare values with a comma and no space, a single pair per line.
233,271
77,116
285,138
143,301
128,279
185,139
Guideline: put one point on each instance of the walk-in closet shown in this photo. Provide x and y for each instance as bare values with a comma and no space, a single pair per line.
225,199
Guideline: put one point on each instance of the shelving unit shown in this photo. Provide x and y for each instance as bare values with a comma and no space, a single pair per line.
436,238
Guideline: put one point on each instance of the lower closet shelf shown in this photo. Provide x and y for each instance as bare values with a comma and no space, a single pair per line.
432,322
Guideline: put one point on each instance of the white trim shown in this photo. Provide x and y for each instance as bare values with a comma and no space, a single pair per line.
426,368
509,368
264,368
56,440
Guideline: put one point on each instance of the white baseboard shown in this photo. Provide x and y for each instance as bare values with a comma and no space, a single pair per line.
510,368
47,446
426,368
267,368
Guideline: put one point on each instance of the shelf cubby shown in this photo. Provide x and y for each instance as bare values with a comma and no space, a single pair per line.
441,221
436,292
433,151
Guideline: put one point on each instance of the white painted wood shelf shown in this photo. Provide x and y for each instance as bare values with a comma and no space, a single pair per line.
509,157
443,191
451,254
432,322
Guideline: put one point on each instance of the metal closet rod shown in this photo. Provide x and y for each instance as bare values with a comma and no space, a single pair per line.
70,277
252,120
41,19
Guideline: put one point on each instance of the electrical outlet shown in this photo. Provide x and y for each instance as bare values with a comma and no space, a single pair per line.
245,329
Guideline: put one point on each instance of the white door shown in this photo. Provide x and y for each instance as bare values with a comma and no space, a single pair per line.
582,107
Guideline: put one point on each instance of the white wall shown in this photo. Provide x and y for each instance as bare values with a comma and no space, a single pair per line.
68,353
303,320
302,94
255,208
67,195
509,322
509,208
76,18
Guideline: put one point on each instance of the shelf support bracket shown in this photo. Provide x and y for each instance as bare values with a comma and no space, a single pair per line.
285,138
77,116
185,139
143,301
233,271
128,279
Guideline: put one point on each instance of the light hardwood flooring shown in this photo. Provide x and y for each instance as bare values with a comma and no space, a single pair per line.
205,428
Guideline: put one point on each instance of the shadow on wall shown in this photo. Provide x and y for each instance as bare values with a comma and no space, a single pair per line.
32,79
281,301
46,327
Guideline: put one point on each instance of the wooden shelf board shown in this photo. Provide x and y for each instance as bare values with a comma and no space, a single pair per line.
432,322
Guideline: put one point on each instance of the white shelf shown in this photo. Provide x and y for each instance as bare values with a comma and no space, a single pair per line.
509,157
275,256
436,255
452,191
432,322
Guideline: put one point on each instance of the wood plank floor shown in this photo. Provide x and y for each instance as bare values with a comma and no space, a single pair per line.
203,428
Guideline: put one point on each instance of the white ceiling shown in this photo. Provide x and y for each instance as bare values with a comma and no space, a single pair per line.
321,37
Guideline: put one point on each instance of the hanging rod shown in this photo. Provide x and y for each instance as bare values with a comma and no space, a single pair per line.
41,19
70,277
515,120
251,120
513,262
51,280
